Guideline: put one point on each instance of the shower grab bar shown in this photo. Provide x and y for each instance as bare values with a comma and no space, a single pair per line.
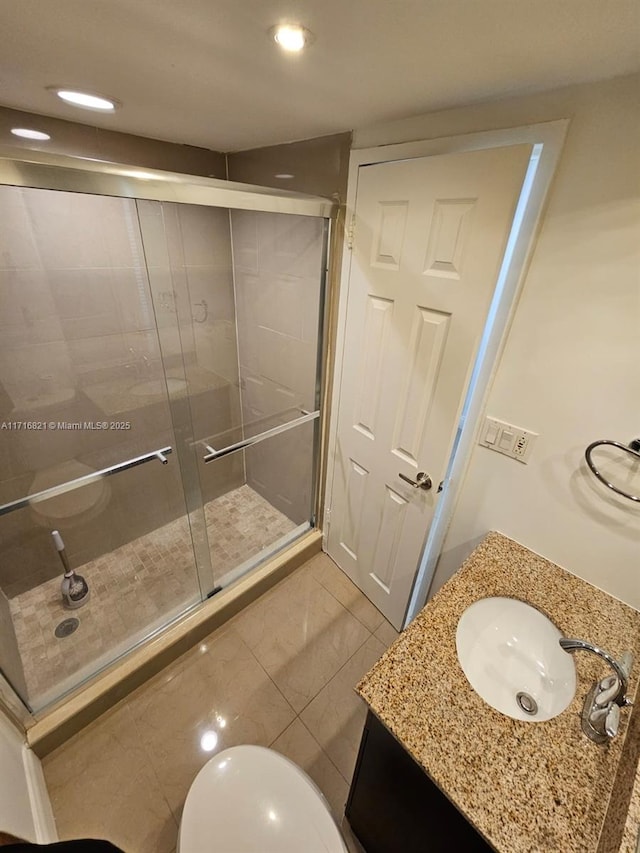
256,439
70,485
632,449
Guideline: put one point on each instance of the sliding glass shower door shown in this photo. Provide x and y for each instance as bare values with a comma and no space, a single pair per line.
88,443
159,403
238,298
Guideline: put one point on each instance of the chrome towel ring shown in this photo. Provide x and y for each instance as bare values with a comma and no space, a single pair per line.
632,449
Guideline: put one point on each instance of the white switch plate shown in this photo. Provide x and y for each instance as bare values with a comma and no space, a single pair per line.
510,440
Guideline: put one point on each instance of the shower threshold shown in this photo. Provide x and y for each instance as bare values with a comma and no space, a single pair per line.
137,590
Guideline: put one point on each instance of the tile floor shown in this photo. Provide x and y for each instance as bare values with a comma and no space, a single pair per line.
135,589
280,674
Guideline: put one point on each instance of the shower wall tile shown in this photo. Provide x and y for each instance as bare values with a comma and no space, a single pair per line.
9,651
245,241
27,309
132,296
112,300
287,361
291,245
67,234
152,225
93,326
215,286
278,261
18,246
119,224
205,236
262,398
188,249
216,348
37,376
83,293
74,230
281,469
102,352
78,337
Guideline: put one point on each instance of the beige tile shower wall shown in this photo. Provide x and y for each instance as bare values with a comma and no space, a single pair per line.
77,345
277,261
9,654
188,252
318,166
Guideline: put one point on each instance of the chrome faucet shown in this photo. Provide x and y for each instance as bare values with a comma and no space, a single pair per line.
601,711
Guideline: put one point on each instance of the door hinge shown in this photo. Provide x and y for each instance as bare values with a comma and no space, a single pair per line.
351,230
327,519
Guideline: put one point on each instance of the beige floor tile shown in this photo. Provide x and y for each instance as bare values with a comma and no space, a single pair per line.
220,695
298,744
333,579
336,716
387,634
301,635
102,786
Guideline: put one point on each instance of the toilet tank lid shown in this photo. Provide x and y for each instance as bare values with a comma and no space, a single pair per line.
249,799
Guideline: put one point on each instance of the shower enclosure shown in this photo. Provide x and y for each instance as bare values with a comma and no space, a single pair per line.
160,354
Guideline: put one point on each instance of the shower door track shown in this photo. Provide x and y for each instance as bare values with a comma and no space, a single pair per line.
70,485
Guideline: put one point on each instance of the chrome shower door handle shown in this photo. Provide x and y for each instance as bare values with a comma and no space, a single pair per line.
422,481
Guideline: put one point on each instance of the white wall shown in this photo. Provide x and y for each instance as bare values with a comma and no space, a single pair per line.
570,369
25,810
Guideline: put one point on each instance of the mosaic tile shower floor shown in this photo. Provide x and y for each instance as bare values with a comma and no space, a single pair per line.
135,590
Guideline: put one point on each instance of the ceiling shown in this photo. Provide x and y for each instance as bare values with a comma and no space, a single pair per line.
205,72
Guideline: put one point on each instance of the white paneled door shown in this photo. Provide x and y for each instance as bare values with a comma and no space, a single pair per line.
429,238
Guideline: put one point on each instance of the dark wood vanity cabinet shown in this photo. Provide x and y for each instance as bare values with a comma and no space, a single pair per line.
394,807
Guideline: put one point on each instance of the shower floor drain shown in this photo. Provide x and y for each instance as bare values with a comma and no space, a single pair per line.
66,627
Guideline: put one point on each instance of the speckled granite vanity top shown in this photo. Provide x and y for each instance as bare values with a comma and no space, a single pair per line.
525,786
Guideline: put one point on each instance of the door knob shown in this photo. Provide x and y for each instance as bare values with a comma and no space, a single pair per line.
422,481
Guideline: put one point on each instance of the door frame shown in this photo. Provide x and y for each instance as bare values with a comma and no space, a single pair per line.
547,139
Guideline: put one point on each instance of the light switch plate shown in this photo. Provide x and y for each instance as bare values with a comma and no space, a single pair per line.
508,439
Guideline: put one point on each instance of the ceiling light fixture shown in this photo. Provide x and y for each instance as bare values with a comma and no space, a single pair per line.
284,176
85,100
26,133
291,37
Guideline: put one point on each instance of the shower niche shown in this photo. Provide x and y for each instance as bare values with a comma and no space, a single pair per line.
160,370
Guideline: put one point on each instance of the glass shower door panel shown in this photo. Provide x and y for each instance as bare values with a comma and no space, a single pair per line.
82,389
188,252
279,266
271,509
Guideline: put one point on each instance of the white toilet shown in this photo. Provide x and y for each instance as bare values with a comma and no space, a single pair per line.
248,799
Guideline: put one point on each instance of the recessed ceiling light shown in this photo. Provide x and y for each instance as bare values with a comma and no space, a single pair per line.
25,133
86,100
291,37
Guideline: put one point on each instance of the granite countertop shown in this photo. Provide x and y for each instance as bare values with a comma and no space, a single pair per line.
525,786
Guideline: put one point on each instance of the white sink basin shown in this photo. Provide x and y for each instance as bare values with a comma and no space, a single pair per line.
510,653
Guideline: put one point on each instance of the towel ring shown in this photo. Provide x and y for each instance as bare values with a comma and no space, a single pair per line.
631,449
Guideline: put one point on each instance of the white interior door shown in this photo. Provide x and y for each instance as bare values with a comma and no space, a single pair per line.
429,239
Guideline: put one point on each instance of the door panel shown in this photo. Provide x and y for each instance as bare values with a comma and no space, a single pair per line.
428,243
